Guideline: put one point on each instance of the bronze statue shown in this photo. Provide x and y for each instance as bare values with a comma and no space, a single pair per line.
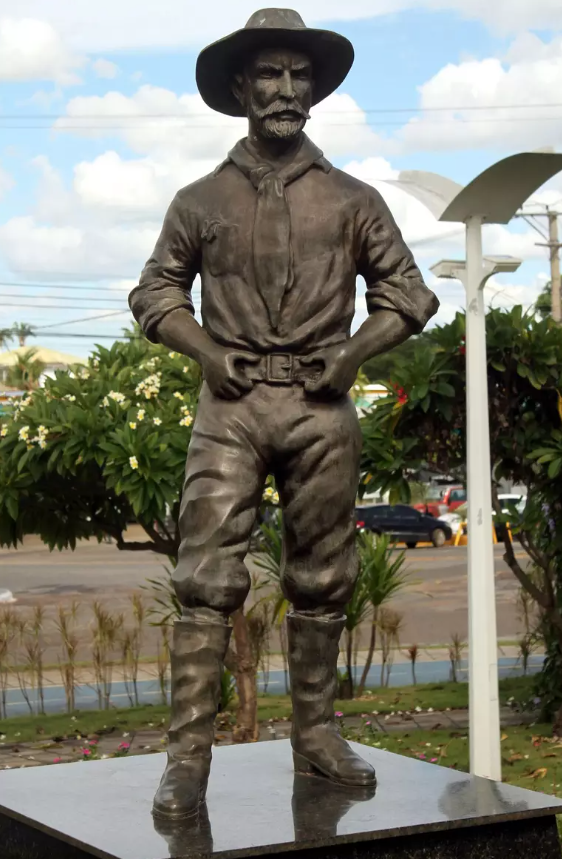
278,236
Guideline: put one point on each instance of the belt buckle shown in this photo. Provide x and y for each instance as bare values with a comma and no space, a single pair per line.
279,368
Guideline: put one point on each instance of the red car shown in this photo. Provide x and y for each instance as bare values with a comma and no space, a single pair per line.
442,499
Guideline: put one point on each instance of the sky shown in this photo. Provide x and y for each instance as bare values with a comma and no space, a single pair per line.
101,123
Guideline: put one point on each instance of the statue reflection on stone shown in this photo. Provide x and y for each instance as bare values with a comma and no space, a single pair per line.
278,236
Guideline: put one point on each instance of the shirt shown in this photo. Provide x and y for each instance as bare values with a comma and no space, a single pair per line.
340,228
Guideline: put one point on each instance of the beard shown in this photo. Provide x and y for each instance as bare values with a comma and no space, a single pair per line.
270,123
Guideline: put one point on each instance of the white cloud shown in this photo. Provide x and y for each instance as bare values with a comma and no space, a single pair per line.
505,16
139,188
117,24
529,76
339,126
84,251
157,121
6,182
33,50
105,68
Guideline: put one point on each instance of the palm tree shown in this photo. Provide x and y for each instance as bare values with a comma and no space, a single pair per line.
22,331
25,374
6,335
382,576
356,612
268,559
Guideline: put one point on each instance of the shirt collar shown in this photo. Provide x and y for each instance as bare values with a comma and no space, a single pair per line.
247,161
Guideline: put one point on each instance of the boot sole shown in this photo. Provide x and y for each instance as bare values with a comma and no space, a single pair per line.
304,767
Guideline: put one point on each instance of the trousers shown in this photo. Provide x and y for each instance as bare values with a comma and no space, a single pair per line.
312,448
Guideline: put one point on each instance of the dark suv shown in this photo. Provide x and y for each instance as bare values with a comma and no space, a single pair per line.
403,524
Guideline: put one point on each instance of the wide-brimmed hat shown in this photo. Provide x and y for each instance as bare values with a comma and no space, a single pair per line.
331,55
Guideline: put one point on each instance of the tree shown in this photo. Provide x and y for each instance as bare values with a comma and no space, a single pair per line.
6,335
26,372
382,368
382,577
22,331
423,427
98,447
101,446
543,303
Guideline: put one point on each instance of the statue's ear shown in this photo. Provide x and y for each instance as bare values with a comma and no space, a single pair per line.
238,89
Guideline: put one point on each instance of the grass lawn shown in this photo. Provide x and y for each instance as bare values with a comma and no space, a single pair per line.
438,696
530,757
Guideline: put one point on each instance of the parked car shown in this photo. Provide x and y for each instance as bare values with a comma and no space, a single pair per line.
459,515
442,499
403,523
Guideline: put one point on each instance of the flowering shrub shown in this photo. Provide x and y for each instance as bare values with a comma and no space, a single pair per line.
100,446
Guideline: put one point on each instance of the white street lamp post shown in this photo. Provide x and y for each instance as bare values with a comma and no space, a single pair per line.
493,197
484,710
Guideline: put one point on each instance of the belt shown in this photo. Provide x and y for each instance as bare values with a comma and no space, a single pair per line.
280,368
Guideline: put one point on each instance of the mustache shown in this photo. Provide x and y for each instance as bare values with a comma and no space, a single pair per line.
281,107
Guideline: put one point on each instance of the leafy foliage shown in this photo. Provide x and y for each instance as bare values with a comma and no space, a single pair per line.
422,428
99,447
26,372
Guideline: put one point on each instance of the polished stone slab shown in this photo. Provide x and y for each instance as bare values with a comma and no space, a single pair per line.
257,807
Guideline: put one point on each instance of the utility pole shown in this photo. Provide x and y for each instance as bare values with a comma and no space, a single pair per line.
556,285
552,242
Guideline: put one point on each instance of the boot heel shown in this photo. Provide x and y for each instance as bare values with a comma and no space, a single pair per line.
302,765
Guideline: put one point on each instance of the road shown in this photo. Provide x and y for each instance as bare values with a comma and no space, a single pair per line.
149,692
434,606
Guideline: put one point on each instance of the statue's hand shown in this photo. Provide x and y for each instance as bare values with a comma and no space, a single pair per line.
224,374
338,373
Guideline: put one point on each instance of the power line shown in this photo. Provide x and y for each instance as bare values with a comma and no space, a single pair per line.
79,274
382,124
63,286
54,306
83,319
89,336
54,297
418,109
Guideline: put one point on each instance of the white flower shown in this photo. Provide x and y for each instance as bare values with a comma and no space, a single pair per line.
132,424
157,421
104,403
271,494
42,430
186,421
117,396
133,462
178,396
186,369
173,354
23,434
85,374
4,431
70,397
140,414
149,386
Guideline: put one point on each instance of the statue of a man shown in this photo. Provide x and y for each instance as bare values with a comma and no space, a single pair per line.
278,236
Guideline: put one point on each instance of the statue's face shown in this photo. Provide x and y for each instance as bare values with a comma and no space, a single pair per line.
276,92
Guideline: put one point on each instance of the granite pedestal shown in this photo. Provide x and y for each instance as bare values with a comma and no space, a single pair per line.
257,807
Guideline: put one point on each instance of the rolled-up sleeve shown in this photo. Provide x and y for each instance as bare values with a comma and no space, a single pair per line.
393,279
166,280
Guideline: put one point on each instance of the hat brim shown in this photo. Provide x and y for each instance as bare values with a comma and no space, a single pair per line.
331,56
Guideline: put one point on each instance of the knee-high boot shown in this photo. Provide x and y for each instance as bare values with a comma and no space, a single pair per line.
318,748
197,659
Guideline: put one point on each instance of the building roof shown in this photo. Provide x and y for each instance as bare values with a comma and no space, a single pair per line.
49,357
